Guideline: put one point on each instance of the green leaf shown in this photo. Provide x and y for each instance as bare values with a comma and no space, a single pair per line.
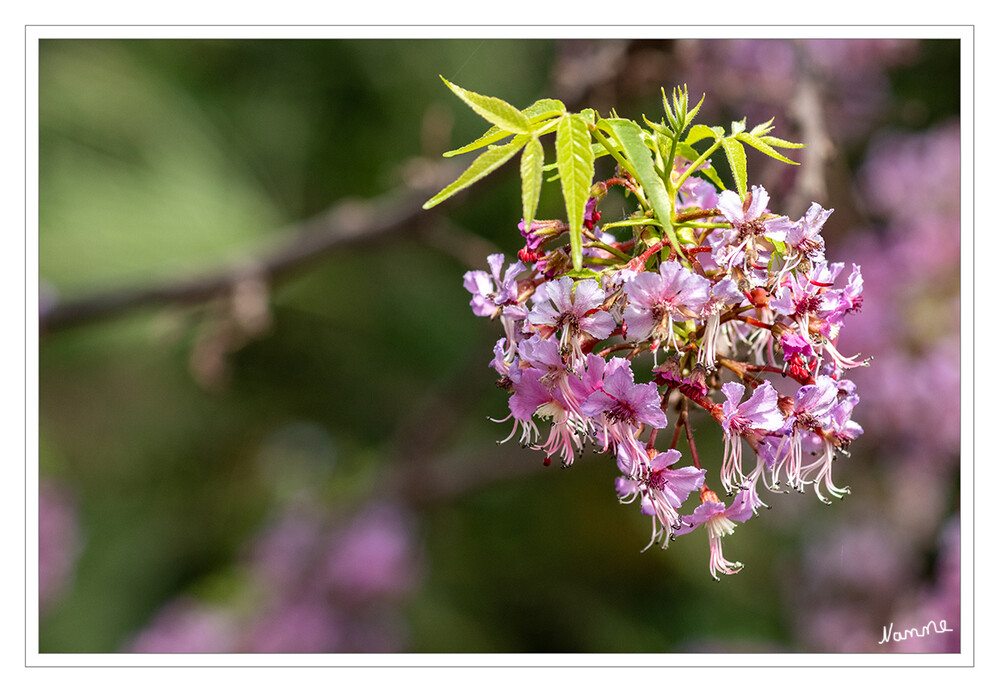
656,127
493,135
759,144
699,132
486,163
599,150
762,128
585,273
575,169
782,143
676,114
631,222
632,140
691,114
679,116
737,161
496,111
537,112
544,108
532,162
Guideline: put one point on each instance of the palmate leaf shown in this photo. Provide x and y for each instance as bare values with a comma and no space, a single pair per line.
760,145
497,111
575,168
537,112
629,136
486,163
532,162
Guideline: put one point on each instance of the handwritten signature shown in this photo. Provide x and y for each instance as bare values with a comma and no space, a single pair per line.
930,627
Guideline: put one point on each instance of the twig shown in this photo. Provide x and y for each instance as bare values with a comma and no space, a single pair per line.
347,224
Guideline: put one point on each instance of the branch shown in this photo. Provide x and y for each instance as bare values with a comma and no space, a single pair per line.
345,225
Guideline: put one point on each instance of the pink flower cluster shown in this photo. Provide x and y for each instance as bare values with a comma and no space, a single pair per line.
751,295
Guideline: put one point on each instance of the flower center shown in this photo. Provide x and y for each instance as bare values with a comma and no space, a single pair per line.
750,229
809,304
656,480
569,321
622,412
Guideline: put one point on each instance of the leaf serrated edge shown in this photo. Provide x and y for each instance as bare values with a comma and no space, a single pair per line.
532,161
495,110
575,168
782,143
538,113
762,146
483,165
736,156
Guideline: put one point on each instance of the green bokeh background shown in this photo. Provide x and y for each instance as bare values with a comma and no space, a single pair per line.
163,158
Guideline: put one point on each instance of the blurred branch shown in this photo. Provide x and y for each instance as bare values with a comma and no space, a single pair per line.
808,110
451,239
347,224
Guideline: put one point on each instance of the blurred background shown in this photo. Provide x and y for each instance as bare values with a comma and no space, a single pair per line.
264,400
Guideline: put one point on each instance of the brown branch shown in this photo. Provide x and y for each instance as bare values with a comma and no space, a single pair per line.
347,224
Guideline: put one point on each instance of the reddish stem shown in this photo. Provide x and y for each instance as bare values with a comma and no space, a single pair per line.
753,321
639,262
623,182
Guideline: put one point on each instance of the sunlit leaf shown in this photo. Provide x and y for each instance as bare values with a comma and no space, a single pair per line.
762,128
544,108
692,113
575,168
631,222
656,127
737,161
532,162
632,141
486,163
760,145
699,132
537,112
585,273
497,111
493,135
782,143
